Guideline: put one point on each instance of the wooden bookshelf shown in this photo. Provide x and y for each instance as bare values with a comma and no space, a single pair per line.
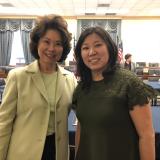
3,74
150,73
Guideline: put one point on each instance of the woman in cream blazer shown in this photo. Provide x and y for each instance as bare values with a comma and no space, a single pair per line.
24,114
25,108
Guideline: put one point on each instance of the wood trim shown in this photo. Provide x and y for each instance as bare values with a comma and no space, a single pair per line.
121,17
86,17
3,75
17,17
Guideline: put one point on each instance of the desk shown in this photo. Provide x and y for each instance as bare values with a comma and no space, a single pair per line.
72,129
153,84
72,121
156,118
1,92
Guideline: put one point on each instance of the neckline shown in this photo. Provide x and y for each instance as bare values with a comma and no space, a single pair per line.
99,81
49,74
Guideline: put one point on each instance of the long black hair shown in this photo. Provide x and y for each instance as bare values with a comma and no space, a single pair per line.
83,71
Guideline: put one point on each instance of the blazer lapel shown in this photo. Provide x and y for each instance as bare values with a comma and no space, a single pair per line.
37,79
60,83
33,69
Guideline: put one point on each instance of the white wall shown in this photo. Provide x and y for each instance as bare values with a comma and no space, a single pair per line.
141,38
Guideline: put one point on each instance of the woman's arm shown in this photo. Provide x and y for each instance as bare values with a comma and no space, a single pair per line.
77,137
7,114
142,119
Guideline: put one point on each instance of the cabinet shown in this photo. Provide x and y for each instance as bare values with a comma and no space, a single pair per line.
3,74
149,73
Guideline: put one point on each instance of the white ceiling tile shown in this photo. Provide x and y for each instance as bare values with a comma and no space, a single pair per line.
80,7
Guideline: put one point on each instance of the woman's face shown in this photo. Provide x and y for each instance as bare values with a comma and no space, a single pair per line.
95,53
50,47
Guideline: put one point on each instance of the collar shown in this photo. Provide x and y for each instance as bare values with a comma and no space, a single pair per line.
34,68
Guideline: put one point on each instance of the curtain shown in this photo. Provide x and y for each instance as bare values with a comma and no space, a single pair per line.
5,47
7,27
26,27
113,26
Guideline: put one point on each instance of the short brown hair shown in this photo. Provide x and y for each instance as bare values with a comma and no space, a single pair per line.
127,56
45,23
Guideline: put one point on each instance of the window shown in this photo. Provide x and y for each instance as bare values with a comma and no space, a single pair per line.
17,55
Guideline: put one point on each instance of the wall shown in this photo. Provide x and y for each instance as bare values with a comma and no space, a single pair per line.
141,38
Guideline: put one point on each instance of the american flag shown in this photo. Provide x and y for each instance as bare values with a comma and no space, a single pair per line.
120,52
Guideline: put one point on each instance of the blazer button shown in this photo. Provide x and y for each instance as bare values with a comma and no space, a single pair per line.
59,121
59,138
39,139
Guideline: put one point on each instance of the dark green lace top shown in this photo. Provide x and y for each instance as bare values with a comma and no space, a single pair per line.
107,131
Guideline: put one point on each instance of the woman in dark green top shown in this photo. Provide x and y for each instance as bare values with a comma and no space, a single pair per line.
112,105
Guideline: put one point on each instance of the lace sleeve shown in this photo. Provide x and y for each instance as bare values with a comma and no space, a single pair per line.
139,93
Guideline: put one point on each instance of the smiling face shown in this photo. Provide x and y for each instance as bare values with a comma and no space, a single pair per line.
50,48
94,53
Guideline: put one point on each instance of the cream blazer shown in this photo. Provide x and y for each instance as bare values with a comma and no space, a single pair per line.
25,111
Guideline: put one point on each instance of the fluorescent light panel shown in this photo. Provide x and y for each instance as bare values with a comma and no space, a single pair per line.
6,5
103,5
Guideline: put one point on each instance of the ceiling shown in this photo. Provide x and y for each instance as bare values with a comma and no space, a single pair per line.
80,7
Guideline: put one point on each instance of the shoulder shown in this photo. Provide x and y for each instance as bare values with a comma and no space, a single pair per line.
17,71
68,73
65,72
125,73
15,74
24,71
126,76
69,76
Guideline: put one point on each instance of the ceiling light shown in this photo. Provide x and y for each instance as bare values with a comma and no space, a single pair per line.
110,14
103,5
90,14
6,5
103,11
